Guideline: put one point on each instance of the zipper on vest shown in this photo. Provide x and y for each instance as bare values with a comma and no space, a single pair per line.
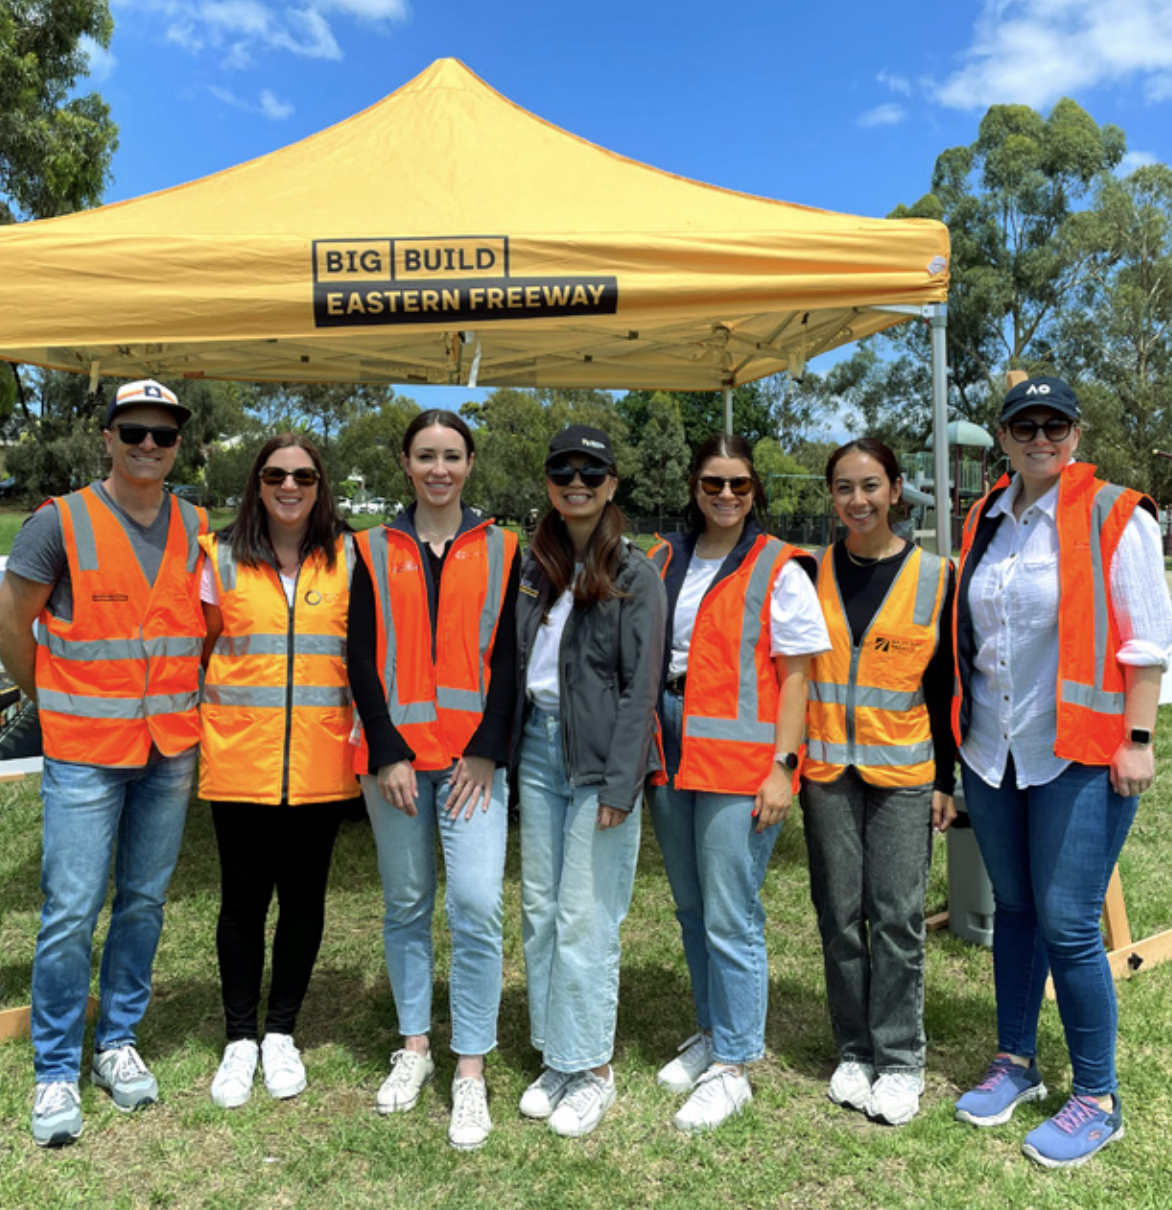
289,633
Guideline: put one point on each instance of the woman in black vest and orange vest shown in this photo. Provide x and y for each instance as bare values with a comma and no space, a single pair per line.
432,666
275,725
1063,627
878,777
743,622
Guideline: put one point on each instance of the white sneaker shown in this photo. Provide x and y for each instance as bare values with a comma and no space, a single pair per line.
719,1093
587,1097
694,1059
470,1125
410,1072
851,1084
281,1061
544,1095
233,1083
895,1098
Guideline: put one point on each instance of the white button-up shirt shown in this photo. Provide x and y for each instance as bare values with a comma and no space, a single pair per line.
1013,601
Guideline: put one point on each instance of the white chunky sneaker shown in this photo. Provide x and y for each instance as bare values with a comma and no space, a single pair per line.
586,1099
410,1072
693,1060
851,1084
544,1095
470,1125
719,1093
233,1083
895,1097
281,1061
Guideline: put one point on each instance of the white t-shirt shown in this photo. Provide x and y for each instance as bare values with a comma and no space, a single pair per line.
542,680
209,594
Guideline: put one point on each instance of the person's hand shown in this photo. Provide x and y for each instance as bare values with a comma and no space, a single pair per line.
1132,768
774,799
471,785
611,817
943,811
396,783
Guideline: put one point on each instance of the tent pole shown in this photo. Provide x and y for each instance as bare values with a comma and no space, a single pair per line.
939,322
728,409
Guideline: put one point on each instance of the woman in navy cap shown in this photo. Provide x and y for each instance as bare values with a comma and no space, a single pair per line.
1063,627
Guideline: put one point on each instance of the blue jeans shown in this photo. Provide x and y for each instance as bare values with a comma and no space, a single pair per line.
576,884
1050,851
716,862
474,871
93,814
870,850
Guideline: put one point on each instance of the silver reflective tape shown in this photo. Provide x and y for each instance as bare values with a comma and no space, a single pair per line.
179,647
413,712
83,531
174,646
731,729
189,515
350,555
459,699
240,645
926,585
495,541
659,558
261,697
895,700
1091,698
870,756
80,706
1104,501
322,696
226,564
171,703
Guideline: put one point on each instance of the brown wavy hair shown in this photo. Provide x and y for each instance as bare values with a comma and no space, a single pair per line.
722,445
554,553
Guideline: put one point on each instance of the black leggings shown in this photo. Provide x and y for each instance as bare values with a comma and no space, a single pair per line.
262,849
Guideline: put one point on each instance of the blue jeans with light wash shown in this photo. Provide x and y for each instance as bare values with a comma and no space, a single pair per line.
93,814
716,862
576,884
1050,851
474,871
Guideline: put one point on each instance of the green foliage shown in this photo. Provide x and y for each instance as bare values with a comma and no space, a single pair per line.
702,412
788,487
661,485
372,444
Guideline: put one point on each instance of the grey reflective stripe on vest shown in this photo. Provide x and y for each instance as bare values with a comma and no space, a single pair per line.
829,693
62,648
272,697
659,558
926,584
226,565
239,645
746,727
869,755
495,542
119,709
348,553
84,540
189,515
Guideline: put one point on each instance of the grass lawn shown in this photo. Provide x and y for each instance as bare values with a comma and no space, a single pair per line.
791,1148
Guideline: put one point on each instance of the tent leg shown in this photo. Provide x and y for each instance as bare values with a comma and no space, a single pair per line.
728,410
939,321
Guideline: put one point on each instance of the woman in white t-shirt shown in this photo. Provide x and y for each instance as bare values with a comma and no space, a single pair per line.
744,624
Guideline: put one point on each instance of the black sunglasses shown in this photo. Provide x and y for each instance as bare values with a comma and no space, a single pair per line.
1057,428
135,434
562,474
713,485
274,476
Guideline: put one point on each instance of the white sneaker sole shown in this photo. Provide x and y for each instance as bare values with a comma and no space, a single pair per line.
404,1106
999,1119
1047,1162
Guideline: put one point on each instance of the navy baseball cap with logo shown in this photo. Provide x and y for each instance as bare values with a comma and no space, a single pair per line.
582,439
1044,392
146,393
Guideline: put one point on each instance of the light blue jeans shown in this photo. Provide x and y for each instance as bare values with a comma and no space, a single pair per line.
716,862
576,884
474,870
93,814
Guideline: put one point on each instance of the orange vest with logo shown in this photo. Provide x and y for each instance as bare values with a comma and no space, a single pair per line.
124,673
1091,517
731,695
436,703
276,714
866,707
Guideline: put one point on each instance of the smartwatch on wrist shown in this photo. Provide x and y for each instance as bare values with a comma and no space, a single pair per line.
788,759
1139,735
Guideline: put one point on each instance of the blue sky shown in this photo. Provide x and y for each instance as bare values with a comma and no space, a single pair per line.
843,106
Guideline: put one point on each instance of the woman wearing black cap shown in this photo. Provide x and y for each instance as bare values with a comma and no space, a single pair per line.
590,620
1063,627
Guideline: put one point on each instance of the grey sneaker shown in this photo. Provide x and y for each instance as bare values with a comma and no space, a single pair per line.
694,1058
410,1072
470,1125
281,1062
586,1099
544,1095
232,1086
56,1113
123,1074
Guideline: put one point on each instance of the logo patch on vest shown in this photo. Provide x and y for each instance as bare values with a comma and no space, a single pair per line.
892,644
109,596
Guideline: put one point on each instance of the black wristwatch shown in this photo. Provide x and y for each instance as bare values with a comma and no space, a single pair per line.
1140,735
789,759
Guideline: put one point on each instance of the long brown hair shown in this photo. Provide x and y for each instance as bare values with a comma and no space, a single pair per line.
554,553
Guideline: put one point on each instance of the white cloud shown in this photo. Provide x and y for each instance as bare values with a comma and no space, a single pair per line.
1135,159
268,106
1035,51
101,61
883,115
273,108
899,84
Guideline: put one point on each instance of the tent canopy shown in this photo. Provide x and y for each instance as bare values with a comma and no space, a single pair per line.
446,235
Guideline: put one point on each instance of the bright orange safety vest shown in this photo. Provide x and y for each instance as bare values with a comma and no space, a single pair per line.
276,713
866,707
125,672
1091,517
731,694
436,704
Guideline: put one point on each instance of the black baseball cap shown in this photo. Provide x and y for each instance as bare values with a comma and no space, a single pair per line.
1044,392
147,393
582,439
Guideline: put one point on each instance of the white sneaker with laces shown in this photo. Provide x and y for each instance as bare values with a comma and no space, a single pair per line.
587,1097
895,1098
851,1084
281,1062
232,1086
693,1060
121,1072
410,1072
470,1125
719,1093
56,1113
544,1095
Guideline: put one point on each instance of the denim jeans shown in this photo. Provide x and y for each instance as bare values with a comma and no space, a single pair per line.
870,850
474,871
716,862
93,814
1050,851
576,884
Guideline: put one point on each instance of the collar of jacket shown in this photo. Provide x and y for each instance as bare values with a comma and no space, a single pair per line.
404,523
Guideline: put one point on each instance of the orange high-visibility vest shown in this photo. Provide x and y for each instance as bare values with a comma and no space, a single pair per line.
866,707
731,695
1091,517
125,672
276,714
437,703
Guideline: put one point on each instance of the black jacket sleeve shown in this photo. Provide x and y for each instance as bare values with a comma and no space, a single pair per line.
938,677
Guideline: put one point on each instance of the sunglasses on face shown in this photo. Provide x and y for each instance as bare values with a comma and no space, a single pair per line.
135,434
562,474
1057,428
303,476
713,485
